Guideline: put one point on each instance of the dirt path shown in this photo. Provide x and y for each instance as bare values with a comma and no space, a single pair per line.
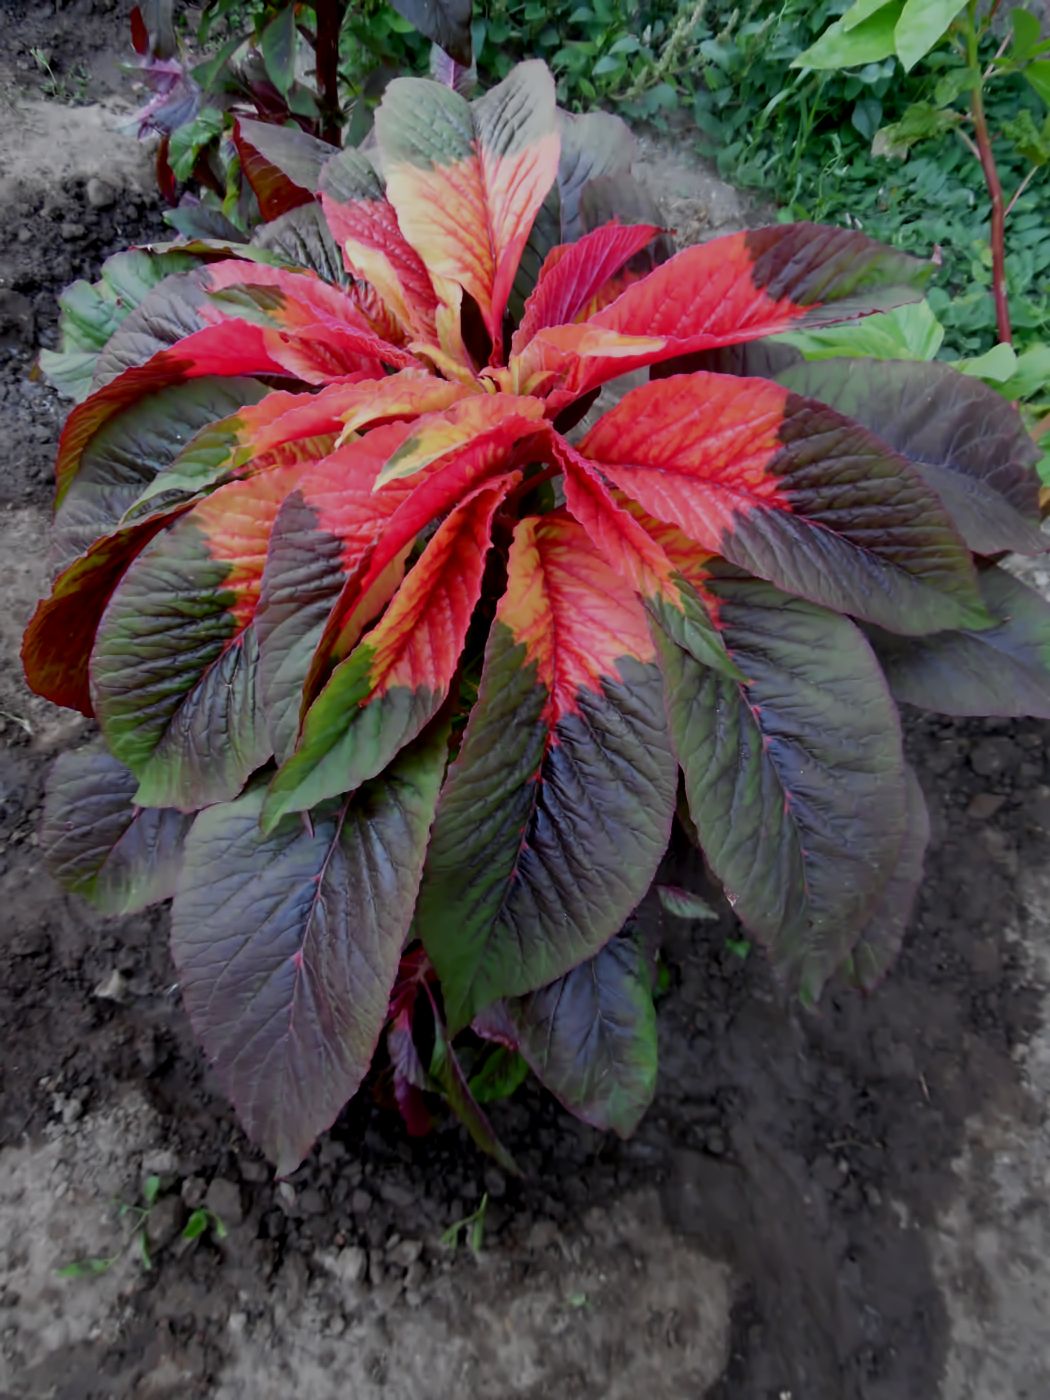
851,1206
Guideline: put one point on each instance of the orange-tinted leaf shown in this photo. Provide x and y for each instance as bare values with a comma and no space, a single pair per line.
502,417
574,274
436,489
324,535
793,492
364,225
467,179
566,751
736,288
397,678
173,670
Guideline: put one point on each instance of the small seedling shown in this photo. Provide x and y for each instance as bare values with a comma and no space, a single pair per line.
60,89
133,1215
200,1220
470,1230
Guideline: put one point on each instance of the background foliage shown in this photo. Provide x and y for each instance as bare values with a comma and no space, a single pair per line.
718,74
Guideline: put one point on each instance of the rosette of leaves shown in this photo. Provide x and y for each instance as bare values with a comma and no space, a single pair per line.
399,673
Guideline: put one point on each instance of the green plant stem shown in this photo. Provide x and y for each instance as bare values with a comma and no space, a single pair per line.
991,179
1021,189
672,53
329,26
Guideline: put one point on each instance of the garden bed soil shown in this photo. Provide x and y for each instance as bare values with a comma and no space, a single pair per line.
850,1205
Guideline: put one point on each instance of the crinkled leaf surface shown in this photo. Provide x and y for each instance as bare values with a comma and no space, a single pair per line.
795,780
969,444
880,941
99,844
56,647
557,810
323,535
287,945
590,1036
365,226
793,492
302,238
282,164
173,671
736,288
128,454
1001,670
398,677
91,314
467,178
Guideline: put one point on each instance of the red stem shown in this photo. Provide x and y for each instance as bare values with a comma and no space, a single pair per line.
329,25
529,484
998,229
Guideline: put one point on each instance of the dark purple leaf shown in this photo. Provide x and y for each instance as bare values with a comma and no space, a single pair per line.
795,780
967,441
97,843
1002,670
444,22
590,1037
287,945
881,938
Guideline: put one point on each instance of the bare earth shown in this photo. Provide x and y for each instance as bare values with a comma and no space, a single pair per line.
852,1206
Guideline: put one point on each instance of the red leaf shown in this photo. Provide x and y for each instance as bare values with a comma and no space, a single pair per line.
573,274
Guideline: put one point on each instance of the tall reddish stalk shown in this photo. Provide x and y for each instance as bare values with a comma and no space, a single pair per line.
329,24
995,189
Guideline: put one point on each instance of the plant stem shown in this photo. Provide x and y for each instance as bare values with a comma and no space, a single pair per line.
991,179
1021,189
329,25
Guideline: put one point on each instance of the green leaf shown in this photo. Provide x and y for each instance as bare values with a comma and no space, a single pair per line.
995,365
196,1225
86,1268
861,10
92,313
151,1189
906,333
1027,34
447,1071
921,25
1038,75
189,140
502,1072
868,41
278,45
1032,374
1030,141
920,122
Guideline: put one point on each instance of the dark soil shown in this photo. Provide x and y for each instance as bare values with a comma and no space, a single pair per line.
802,1149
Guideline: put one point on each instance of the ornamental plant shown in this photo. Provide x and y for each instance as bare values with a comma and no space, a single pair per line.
402,668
